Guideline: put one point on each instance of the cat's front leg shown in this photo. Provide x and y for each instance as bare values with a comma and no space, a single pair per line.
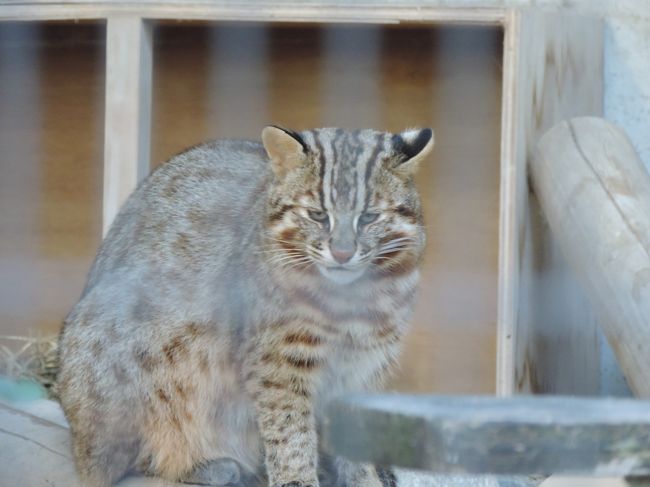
281,380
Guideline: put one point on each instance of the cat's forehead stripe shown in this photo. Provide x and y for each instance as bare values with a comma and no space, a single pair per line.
370,164
363,152
341,183
347,161
313,136
329,167
334,169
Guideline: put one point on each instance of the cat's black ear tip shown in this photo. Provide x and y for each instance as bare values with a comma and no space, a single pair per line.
418,137
413,142
273,131
426,132
272,127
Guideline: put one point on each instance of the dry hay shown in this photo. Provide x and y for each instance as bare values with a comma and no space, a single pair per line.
33,358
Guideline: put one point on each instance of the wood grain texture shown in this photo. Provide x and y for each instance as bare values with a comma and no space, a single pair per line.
128,110
548,340
595,193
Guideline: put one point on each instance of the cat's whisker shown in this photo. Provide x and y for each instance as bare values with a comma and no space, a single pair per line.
278,251
390,248
317,257
398,242
395,249
391,259
289,266
300,263
397,246
287,255
288,259
400,239
383,257
268,237
280,256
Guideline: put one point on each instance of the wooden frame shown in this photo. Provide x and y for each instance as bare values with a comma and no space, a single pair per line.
546,58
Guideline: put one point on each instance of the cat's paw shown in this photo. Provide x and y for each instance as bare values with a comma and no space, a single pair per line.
222,472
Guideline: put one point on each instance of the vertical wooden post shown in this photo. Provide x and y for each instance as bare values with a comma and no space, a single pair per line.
547,338
127,125
512,177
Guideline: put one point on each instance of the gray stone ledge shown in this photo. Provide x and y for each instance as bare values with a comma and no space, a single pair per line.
484,435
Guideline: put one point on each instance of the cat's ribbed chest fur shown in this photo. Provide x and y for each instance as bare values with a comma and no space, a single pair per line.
241,286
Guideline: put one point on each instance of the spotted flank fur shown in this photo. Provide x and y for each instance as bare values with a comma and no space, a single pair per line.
241,286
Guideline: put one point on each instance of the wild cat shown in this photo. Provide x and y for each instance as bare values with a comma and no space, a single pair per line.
241,286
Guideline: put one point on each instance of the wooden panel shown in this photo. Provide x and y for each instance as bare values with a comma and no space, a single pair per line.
51,132
548,339
128,110
70,194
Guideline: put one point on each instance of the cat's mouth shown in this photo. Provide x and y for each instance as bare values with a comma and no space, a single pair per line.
341,274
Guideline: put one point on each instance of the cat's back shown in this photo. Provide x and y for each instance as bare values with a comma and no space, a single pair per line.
187,215
220,173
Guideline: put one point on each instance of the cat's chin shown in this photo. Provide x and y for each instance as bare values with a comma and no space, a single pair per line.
341,275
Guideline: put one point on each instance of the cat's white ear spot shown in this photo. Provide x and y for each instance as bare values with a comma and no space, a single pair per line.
415,145
285,148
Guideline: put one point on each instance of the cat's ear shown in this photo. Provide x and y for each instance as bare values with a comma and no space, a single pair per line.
285,148
412,146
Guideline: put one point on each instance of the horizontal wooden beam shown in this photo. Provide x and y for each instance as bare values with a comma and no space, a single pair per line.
586,7
380,12
499,436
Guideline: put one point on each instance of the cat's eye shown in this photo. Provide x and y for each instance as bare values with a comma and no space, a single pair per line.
318,216
367,218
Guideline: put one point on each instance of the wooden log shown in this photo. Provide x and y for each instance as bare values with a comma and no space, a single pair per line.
595,194
520,435
127,124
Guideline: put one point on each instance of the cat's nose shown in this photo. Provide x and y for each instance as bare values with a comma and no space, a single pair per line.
342,254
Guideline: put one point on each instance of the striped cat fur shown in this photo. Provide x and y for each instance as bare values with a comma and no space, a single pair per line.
241,286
